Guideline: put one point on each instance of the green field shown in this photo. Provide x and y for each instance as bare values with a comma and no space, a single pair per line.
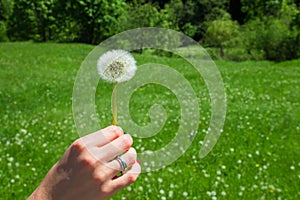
256,157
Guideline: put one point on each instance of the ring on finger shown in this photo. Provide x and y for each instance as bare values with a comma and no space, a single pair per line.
122,163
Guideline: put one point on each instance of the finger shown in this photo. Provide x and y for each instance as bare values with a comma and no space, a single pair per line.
129,157
126,179
111,150
102,137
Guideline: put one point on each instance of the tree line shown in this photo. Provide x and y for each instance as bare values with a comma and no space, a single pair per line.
232,29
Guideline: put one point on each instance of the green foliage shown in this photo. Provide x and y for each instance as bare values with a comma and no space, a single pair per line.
273,38
3,36
33,20
278,42
6,7
222,33
97,19
80,20
22,25
260,9
268,30
142,15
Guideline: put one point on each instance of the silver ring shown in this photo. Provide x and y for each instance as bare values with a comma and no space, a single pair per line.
122,163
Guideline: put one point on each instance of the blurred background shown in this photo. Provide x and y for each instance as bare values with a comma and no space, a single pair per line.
230,29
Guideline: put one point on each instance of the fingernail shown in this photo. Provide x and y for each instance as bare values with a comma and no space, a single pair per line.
138,161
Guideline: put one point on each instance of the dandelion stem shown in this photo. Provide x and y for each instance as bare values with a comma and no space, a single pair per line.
114,105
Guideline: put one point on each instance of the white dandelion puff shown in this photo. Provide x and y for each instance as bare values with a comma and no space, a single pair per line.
116,66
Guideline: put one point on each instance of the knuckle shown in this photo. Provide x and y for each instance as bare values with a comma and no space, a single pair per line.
99,177
86,160
117,131
127,141
78,145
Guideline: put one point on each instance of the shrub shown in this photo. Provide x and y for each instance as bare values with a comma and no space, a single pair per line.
3,36
272,39
222,34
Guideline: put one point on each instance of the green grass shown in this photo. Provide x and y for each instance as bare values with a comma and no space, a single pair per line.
256,157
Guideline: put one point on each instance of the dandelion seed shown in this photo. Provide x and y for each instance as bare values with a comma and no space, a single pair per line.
265,167
129,188
185,194
292,167
10,159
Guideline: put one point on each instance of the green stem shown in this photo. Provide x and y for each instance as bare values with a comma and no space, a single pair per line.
114,105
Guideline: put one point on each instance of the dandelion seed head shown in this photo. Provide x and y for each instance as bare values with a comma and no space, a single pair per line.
116,66
292,167
185,194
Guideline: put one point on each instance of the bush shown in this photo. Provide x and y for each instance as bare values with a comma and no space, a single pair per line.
271,39
222,34
3,36
237,54
276,40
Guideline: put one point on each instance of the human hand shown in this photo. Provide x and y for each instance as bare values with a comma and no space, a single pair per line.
88,169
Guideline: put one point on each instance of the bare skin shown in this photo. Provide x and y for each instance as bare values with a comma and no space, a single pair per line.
88,168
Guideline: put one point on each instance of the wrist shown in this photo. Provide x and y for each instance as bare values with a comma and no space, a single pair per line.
40,193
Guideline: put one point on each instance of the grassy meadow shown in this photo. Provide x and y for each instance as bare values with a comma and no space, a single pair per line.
256,157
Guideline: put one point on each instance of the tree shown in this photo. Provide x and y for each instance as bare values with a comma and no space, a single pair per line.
22,25
6,8
277,38
97,19
222,33
5,13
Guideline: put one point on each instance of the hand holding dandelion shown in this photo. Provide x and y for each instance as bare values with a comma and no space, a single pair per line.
116,66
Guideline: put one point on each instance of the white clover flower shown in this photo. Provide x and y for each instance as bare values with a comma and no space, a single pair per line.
116,66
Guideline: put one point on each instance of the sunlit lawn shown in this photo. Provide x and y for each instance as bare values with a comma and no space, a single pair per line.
256,157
